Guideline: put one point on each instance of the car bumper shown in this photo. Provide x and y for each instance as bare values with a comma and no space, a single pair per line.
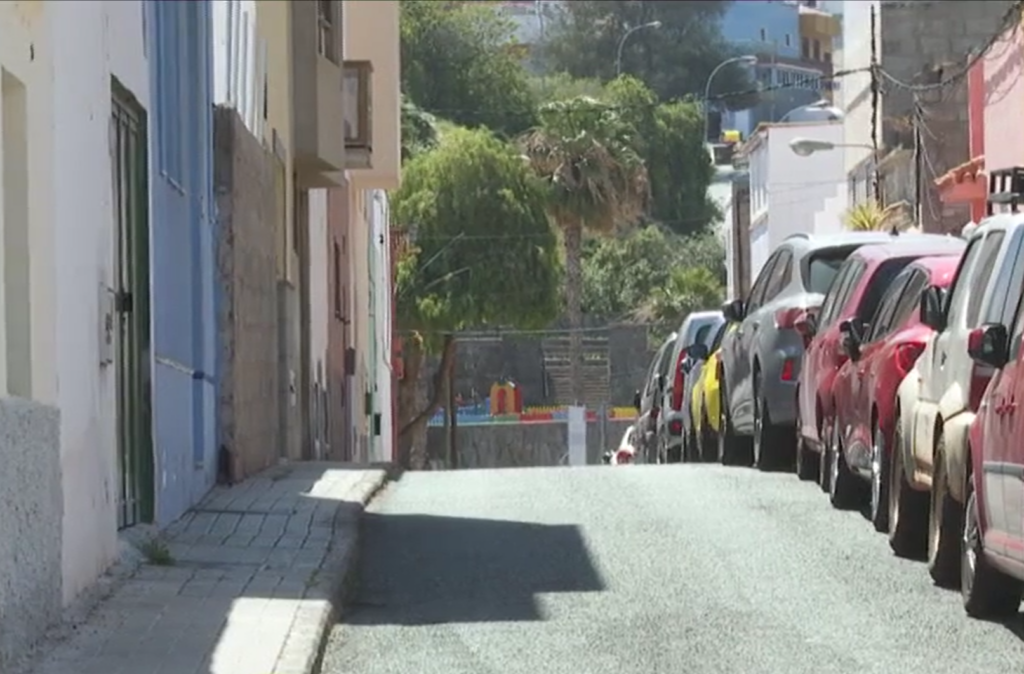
670,420
780,391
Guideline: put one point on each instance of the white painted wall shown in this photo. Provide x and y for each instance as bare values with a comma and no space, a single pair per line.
791,194
381,251
854,94
92,41
320,311
25,57
239,61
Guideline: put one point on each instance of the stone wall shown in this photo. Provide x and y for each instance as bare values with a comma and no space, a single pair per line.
517,445
247,209
924,42
31,525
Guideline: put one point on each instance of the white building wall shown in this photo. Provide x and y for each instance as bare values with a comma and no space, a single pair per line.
854,94
381,243
92,42
319,316
239,61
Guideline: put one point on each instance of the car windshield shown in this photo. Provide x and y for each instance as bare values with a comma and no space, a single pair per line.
822,268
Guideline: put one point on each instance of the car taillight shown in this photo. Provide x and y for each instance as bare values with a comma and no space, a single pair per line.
680,381
980,378
906,355
788,370
675,427
623,456
785,319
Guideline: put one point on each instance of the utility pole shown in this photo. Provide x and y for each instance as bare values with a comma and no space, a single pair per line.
875,105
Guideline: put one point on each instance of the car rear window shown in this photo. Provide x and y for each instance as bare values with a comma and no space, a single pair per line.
822,267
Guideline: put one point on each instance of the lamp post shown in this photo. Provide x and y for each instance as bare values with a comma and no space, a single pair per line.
746,60
622,43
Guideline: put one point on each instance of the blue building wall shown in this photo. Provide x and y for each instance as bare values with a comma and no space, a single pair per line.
183,276
763,27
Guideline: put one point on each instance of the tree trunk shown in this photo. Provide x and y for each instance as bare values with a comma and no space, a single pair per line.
413,423
573,235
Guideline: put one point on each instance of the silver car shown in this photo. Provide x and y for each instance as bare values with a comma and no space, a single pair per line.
648,403
693,340
760,360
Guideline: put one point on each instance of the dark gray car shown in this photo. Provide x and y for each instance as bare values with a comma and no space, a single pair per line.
648,402
761,358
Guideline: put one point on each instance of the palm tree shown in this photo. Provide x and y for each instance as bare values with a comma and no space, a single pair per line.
583,151
870,217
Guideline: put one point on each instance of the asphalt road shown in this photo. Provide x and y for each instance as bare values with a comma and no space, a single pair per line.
681,569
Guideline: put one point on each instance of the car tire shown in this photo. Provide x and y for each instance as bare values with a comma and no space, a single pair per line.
708,440
806,461
987,592
675,454
844,491
732,450
945,525
824,457
908,508
881,466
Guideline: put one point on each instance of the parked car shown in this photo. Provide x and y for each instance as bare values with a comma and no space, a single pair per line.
704,402
693,339
648,401
625,454
760,360
845,314
939,397
992,548
865,386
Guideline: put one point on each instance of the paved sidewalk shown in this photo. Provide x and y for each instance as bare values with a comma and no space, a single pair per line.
248,591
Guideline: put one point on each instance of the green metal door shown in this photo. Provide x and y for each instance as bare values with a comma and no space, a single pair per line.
131,310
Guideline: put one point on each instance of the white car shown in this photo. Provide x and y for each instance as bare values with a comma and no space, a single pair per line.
938,399
626,452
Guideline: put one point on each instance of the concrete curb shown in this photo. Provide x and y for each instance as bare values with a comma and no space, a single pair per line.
322,604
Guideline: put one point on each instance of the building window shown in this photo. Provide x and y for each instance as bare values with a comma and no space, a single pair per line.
764,35
805,48
357,97
827,56
325,33
788,41
817,51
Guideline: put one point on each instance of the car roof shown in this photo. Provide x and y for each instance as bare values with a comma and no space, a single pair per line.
810,242
998,221
916,244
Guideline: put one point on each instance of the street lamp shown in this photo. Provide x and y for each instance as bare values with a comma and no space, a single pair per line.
745,60
622,43
805,147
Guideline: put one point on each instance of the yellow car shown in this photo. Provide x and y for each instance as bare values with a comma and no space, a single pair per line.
704,402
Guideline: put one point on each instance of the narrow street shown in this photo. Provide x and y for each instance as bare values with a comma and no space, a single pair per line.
643,569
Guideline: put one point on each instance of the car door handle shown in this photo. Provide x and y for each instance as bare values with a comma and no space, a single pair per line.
942,359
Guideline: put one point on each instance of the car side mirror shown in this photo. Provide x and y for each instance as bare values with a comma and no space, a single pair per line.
932,308
734,311
636,400
850,331
989,345
806,325
697,351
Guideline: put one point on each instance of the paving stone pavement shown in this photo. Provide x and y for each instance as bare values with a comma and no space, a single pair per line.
255,567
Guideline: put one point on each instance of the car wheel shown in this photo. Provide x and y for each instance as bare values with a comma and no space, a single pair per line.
986,591
730,447
908,508
825,457
842,486
806,461
944,525
708,439
881,459
675,454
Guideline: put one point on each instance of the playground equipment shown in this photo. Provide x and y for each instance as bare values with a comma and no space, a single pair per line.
506,399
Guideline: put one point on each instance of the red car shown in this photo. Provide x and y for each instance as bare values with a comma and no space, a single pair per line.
865,386
848,306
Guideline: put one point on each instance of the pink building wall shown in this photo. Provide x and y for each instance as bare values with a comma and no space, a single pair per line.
1003,127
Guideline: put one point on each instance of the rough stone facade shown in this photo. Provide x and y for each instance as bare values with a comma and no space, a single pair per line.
520,445
925,42
30,526
251,384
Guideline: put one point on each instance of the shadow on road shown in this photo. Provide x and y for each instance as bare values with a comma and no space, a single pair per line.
423,570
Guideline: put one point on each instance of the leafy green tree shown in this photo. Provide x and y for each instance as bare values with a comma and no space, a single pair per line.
419,130
622,275
457,63
675,59
481,252
585,153
688,289
670,141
